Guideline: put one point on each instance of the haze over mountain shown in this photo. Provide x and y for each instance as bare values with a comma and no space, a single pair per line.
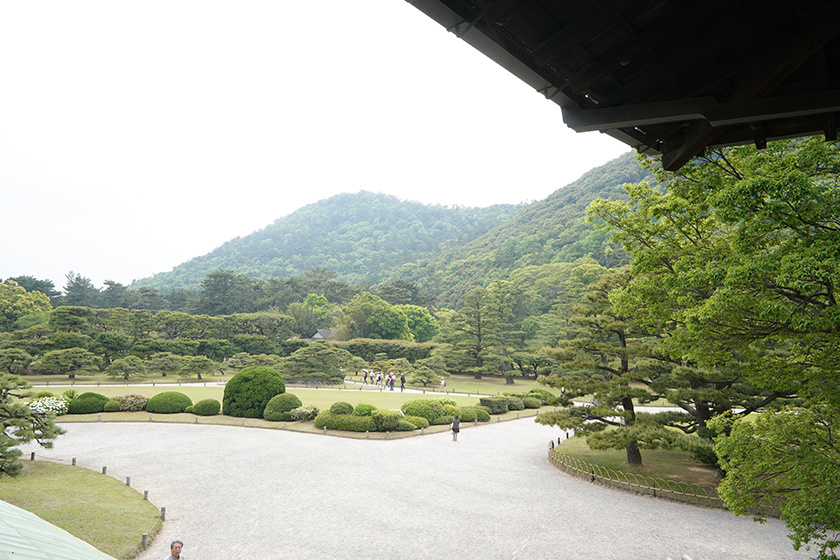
368,238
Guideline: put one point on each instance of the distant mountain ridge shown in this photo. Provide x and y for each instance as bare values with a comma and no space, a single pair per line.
360,236
369,238
549,231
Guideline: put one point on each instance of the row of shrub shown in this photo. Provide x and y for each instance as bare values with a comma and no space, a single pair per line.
364,418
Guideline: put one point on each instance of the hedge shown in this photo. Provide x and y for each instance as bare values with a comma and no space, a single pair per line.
443,420
473,413
417,421
386,420
345,422
531,402
304,413
247,393
168,402
341,407
425,408
279,408
363,409
515,403
496,405
113,405
207,407
87,403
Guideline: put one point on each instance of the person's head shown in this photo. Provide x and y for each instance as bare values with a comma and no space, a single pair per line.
175,548
456,417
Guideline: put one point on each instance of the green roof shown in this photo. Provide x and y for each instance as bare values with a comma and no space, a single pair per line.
25,536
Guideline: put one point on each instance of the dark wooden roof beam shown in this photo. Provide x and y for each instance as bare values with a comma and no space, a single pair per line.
705,108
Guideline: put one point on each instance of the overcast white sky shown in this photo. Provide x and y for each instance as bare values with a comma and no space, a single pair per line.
137,135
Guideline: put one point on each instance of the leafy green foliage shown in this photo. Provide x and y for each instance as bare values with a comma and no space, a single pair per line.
386,420
773,460
341,407
496,405
207,407
345,422
19,423
248,392
280,407
16,302
417,421
319,363
87,403
169,402
424,408
363,409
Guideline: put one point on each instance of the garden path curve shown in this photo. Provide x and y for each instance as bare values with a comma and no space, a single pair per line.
238,493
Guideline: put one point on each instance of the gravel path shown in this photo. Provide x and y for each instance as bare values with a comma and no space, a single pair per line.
239,493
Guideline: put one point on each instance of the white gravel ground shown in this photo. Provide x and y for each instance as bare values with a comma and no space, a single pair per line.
241,493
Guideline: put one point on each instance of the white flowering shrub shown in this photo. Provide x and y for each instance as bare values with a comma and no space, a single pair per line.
42,405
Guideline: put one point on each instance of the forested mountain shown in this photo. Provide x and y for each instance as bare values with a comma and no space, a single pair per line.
368,238
360,236
553,230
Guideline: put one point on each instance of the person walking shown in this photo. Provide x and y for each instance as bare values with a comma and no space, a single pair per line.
442,385
456,427
402,383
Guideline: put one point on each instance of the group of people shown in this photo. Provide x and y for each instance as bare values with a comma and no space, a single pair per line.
383,379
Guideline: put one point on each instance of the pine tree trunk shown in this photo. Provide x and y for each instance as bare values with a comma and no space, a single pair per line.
509,380
634,455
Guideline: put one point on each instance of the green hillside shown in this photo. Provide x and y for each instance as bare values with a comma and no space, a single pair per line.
553,230
360,236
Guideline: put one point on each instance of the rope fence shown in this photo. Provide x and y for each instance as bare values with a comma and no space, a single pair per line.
143,542
690,493
698,494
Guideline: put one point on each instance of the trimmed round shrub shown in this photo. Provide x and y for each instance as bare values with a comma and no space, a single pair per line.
445,401
531,402
168,402
341,407
363,409
206,407
189,409
480,414
248,392
417,421
87,403
515,403
451,410
280,407
386,420
43,394
403,426
304,413
113,405
495,405
425,408
443,420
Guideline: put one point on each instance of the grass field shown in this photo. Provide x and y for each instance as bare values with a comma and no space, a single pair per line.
658,463
98,509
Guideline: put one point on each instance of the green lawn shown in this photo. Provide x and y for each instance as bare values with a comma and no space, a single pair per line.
658,463
96,508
